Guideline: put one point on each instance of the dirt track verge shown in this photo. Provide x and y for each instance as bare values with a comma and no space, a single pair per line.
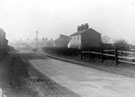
108,65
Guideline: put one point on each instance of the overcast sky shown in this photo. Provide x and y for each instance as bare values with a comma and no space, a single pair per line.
21,18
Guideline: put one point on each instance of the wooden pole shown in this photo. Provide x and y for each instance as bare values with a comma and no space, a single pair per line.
102,57
89,56
81,54
37,39
116,56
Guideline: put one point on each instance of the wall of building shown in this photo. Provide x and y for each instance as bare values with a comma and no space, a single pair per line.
75,41
3,43
61,43
91,38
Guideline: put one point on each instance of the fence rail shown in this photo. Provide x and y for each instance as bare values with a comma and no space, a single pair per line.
129,52
116,56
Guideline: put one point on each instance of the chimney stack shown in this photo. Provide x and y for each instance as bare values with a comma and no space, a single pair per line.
83,27
86,26
78,28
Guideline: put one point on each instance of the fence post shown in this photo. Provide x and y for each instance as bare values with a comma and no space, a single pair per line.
81,54
116,56
102,58
89,56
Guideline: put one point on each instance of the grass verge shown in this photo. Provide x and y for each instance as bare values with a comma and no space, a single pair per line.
107,65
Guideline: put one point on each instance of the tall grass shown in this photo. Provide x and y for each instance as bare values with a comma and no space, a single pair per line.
16,71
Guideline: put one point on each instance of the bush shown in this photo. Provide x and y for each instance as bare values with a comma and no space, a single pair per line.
68,51
121,45
62,51
107,46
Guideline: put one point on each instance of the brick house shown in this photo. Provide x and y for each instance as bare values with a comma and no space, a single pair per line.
85,37
62,41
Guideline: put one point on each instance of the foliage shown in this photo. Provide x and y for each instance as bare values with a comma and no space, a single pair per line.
121,45
107,46
63,51
106,39
68,51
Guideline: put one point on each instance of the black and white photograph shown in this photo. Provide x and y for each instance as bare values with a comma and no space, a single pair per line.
67,48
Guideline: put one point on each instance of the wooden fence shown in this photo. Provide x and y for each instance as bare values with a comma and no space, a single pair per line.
119,56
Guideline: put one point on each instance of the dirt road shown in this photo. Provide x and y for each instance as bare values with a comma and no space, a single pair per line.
86,82
40,84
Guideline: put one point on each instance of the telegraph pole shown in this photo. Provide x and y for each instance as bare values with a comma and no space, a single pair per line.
37,38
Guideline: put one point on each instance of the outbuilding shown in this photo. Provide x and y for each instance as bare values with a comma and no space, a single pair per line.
62,41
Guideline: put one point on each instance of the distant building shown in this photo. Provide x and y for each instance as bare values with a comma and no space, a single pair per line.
3,42
85,37
62,41
50,43
44,42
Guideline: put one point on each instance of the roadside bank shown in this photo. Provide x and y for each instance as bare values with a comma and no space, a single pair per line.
108,65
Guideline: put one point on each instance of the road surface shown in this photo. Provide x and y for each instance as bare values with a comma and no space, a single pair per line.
87,82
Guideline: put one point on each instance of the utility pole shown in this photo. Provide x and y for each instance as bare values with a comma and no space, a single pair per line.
37,38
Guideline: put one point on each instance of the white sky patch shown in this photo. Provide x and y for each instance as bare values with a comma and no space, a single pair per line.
21,18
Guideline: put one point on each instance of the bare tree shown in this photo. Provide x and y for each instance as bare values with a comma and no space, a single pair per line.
121,44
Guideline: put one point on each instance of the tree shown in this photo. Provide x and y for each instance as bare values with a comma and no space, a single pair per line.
121,44
106,39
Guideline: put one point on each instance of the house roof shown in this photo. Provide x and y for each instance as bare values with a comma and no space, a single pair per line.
82,31
2,33
63,38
